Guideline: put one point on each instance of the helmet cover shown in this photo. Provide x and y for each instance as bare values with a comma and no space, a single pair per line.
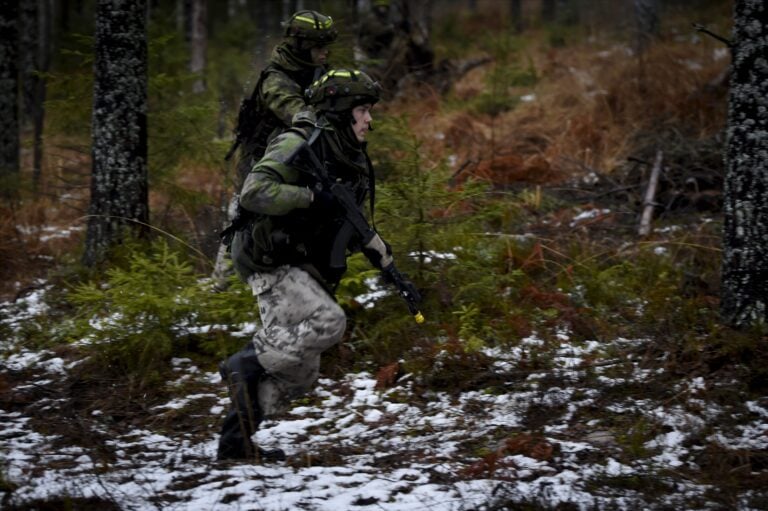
342,89
311,26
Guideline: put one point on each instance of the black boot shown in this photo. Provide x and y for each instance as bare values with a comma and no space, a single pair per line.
241,373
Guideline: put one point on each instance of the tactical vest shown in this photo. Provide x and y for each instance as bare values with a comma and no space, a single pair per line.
300,238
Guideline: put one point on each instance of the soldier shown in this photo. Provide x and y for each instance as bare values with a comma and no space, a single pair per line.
393,43
295,63
375,35
292,253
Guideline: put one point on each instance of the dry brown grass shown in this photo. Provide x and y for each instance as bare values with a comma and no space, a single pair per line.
593,105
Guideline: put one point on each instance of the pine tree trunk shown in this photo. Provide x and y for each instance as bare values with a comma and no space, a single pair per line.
35,52
63,15
184,18
516,13
548,10
119,195
199,43
744,298
646,23
9,95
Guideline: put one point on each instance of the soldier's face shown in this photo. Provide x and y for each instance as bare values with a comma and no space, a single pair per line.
319,55
361,121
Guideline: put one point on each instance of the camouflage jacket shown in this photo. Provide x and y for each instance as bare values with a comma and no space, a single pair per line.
286,78
276,98
277,193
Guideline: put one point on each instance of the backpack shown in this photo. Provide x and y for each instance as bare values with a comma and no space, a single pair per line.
253,127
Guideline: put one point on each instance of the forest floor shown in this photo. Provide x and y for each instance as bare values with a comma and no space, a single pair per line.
614,424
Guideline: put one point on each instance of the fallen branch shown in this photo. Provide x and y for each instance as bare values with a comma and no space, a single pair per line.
650,194
702,28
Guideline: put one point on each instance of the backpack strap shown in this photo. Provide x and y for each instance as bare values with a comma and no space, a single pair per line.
371,186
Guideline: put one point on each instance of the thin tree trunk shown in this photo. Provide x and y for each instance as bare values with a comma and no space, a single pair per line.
516,15
63,14
36,50
548,10
646,23
28,59
744,299
119,190
184,18
199,43
9,96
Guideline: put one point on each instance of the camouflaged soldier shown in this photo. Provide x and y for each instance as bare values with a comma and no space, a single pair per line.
285,253
375,36
295,63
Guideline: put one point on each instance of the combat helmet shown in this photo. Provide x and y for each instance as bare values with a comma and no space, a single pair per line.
311,26
339,90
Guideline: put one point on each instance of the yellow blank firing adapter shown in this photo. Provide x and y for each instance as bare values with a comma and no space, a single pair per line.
419,317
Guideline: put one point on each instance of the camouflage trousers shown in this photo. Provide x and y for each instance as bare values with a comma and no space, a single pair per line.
299,320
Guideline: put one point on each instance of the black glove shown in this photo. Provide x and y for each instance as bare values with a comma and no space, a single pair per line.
323,201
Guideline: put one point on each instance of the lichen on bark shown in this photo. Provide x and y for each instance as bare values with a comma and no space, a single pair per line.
745,233
119,194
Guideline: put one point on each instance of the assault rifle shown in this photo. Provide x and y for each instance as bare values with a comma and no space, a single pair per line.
355,223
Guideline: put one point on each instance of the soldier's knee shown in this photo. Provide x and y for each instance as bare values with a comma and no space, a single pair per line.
335,322
328,322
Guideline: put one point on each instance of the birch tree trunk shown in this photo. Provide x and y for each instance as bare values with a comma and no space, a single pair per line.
9,95
745,233
119,191
199,43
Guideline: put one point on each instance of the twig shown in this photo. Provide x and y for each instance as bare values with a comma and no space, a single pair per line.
645,220
461,168
702,28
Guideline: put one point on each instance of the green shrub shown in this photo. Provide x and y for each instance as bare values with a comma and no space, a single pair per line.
439,235
154,308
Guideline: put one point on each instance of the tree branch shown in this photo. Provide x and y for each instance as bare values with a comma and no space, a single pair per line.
702,28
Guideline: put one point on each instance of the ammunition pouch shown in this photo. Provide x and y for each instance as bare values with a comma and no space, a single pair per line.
261,246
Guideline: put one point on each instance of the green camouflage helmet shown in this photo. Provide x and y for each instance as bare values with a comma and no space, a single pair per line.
311,26
342,89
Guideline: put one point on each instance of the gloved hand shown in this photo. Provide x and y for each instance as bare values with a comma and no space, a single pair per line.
323,201
378,252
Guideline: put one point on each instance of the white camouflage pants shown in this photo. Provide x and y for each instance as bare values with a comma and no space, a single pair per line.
299,320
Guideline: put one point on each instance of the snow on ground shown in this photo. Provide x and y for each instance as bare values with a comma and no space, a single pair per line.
548,438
